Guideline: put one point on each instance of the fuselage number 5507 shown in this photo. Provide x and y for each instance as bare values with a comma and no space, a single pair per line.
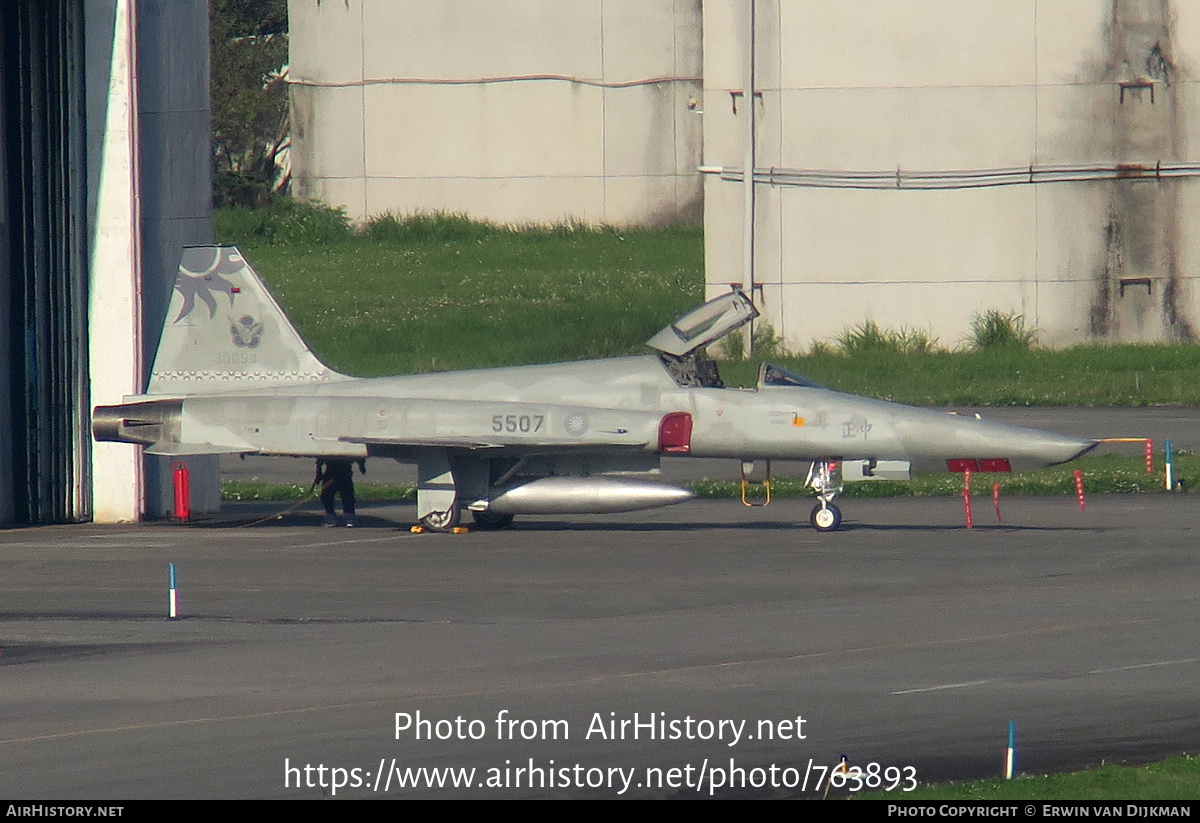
512,423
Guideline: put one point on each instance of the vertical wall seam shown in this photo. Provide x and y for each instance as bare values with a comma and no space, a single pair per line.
362,99
603,125
1037,199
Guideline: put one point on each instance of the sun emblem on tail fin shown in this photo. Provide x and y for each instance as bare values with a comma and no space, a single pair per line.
204,282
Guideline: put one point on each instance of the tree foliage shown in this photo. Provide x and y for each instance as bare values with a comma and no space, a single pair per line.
249,97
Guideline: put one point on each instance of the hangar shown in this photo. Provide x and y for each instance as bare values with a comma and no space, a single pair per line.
105,143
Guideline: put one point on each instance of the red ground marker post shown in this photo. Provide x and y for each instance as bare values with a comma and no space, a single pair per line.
996,502
967,498
181,478
1149,455
1079,490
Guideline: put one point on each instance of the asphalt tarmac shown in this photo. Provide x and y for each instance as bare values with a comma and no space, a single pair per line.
616,646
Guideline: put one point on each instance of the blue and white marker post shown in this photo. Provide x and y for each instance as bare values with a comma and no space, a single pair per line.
172,596
1169,468
1010,759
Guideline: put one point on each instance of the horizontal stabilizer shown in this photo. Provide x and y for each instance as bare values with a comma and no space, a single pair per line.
181,449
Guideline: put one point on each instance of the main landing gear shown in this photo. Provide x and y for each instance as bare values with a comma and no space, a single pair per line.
438,508
442,521
445,487
822,479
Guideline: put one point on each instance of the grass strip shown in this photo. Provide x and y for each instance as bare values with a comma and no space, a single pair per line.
436,292
1128,375
373,309
237,490
1103,474
1177,778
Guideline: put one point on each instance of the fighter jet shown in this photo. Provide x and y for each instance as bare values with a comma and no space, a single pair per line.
232,376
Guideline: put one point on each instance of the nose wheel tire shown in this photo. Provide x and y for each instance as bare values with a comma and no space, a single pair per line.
825,518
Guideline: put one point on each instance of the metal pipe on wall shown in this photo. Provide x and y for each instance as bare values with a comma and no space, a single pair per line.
748,181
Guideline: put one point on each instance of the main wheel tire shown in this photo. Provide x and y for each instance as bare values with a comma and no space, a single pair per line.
443,521
825,518
490,521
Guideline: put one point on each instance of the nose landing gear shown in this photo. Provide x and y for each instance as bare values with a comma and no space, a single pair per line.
823,479
825,517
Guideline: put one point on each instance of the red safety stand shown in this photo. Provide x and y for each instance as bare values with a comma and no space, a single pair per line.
181,478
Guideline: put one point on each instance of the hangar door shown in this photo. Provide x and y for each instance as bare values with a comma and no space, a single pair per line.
44,444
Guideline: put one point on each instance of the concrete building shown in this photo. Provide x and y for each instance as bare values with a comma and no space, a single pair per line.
917,161
510,110
105,139
921,161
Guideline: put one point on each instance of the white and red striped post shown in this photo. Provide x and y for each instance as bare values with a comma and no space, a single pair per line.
966,495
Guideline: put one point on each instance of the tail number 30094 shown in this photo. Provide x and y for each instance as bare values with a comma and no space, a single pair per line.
512,423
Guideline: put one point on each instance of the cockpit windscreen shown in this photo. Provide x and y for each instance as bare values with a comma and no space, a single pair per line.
772,375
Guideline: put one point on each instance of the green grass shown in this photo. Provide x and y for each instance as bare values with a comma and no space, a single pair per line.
1146,375
1103,474
374,308
995,328
284,221
869,338
1175,779
440,292
278,492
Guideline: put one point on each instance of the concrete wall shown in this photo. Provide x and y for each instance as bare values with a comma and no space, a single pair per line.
175,159
511,110
905,86
149,194
114,230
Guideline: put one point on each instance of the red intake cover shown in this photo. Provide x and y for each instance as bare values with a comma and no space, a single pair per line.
675,433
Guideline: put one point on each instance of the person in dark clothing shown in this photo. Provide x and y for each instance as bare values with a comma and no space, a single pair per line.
335,475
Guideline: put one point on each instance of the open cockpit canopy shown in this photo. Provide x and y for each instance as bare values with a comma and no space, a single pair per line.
697,328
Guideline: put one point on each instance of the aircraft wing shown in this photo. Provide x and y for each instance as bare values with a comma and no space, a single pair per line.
545,446
517,429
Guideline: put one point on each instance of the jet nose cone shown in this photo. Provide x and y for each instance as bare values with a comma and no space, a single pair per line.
1036,449
1051,449
1084,446
935,438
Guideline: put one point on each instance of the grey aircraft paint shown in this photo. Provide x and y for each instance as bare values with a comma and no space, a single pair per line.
233,376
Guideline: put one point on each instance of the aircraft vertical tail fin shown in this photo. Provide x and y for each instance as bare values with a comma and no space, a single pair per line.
224,332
